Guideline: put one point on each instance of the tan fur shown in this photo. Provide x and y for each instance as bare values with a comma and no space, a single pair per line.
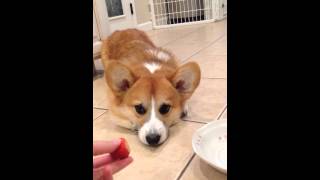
130,83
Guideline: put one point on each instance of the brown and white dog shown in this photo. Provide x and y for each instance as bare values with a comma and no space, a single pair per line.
147,88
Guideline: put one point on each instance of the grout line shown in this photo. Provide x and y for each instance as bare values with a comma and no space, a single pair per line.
173,29
182,36
203,26
156,33
186,166
99,75
221,112
199,122
100,108
210,44
217,54
214,78
99,115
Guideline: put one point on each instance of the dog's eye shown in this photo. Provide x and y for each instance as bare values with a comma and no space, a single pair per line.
140,109
164,109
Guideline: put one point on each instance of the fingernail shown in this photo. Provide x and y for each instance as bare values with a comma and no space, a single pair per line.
130,159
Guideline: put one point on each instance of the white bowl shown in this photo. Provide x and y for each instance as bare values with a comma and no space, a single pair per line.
210,144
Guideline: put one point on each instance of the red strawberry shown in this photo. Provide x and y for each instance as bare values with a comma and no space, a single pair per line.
122,151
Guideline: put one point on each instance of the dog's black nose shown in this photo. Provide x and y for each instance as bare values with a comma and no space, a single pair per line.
153,139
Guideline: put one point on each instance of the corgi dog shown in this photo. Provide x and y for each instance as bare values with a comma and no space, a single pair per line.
147,87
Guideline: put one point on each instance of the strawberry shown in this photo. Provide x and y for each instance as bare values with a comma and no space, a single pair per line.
122,151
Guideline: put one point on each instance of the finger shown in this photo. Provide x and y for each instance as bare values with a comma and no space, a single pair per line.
102,147
102,160
116,166
102,174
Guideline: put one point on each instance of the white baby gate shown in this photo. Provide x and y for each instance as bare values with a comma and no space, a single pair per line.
170,13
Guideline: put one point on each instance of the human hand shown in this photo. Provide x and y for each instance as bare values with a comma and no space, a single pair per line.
104,166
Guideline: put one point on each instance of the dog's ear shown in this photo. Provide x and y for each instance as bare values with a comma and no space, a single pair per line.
186,79
119,78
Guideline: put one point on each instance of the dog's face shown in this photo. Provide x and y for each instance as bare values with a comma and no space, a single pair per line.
153,101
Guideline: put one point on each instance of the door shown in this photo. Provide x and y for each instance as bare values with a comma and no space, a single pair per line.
118,14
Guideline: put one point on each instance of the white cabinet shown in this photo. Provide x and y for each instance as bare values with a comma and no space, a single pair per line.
224,8
220,9
96,37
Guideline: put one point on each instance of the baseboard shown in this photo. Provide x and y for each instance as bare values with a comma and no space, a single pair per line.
96,49
99,65
186,19
147,26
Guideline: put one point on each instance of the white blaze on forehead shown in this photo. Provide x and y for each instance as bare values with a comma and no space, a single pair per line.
152,67
153,125
161,55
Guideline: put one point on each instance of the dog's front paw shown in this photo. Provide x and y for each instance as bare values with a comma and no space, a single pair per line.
185,112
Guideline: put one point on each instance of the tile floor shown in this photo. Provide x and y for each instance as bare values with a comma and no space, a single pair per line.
175,159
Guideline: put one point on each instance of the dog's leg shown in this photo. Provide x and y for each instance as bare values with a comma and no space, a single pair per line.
186,112
123,123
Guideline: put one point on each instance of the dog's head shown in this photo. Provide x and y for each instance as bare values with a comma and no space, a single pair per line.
154,99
